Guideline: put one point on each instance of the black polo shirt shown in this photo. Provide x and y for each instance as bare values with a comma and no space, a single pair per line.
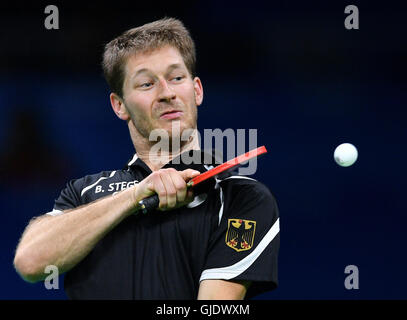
230,231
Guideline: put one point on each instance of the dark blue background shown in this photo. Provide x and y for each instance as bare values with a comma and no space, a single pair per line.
288,69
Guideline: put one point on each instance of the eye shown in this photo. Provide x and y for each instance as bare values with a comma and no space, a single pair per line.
146,85
179,78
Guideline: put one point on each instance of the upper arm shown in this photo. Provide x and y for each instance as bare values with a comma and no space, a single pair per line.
245,245
222,290
69,197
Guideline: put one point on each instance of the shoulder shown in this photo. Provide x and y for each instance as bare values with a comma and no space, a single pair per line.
247,197
79,183
89,179
93,186
246,188
105,178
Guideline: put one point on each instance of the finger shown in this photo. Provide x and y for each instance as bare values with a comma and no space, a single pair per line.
171,192
188,174
159,188
149,186
190,195
179,184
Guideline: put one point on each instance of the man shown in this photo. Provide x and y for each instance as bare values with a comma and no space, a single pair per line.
220,244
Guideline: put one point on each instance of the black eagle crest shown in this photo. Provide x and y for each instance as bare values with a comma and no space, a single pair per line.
240,234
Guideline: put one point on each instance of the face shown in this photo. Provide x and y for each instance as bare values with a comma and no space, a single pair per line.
159,90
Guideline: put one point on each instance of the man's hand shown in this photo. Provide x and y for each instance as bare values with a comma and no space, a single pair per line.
170,185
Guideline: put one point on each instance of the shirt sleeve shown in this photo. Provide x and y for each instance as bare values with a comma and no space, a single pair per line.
68,199
246,243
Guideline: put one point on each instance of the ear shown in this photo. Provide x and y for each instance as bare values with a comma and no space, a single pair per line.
198,91
118,107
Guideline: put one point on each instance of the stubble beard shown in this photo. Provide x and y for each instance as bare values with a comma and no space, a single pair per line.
174,139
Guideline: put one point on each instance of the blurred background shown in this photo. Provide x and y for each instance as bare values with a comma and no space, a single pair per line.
289,69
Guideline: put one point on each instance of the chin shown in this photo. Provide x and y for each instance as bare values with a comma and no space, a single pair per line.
175,129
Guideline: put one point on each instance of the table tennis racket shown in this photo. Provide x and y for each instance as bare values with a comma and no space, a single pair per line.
151,203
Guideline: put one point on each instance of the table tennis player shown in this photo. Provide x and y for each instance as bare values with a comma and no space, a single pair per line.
222,243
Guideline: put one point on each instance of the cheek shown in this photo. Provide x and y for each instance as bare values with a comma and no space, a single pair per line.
138,107
190,95
190,102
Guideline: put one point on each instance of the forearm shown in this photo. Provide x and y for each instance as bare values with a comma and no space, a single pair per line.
66,239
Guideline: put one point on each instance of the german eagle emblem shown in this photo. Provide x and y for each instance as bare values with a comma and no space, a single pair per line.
240,234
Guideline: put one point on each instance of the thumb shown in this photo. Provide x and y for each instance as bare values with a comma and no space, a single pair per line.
189,174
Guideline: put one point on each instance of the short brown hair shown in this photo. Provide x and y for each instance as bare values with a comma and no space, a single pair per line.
151,36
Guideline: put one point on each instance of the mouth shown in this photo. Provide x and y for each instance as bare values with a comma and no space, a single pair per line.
171,114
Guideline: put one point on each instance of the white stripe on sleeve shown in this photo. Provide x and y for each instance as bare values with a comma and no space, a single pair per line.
241,266
100,179
221,208
239,177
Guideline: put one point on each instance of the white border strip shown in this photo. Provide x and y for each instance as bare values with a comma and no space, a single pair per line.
221,207
135,157
241,266
100,179
239,177
55,212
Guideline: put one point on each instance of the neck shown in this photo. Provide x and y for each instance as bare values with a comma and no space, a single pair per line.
154,155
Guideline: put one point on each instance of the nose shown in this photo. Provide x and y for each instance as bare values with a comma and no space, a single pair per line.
165,94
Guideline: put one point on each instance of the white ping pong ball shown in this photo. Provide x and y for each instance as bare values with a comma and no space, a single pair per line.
345,154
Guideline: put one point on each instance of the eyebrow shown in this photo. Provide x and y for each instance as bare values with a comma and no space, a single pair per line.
145,70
